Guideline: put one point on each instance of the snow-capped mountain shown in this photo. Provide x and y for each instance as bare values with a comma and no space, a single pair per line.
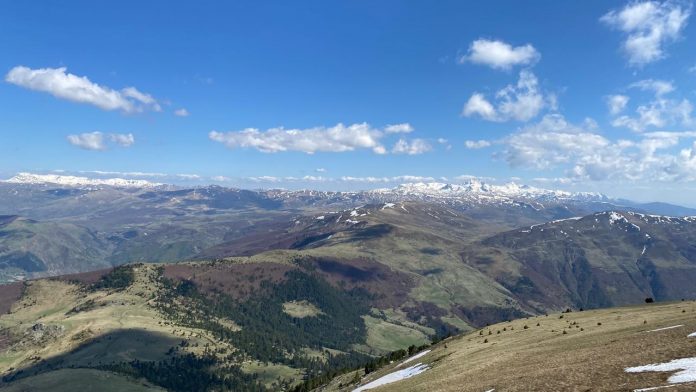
472,193
74,181
476,190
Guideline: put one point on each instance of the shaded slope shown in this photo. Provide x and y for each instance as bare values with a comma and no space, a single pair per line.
600,260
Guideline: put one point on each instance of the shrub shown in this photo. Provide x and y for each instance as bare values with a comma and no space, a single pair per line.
649,300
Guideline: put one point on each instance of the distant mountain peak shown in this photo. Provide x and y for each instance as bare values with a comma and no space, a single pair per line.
474,187
74,181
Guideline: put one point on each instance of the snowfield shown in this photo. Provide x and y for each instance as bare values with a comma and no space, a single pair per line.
685,369
394,377
413,358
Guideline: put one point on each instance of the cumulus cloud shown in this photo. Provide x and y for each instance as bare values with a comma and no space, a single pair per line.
586,155
61,84
521,102
98,141
549,142
122,139
617,103
413,147
659,87
88,141
399,128
500,55
478,105
476,144
661,111
181,112
339,138
648,26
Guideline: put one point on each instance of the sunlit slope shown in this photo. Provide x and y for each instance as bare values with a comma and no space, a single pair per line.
578,351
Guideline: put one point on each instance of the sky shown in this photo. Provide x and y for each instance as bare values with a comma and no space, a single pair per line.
582,96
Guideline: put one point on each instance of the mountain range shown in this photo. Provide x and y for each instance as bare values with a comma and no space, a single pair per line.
277,287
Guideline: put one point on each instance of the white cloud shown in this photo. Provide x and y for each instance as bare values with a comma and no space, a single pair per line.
585,155
122,139
659,87
550,142
399,128
521,102
649,26
122,174
479,105
181,112
339,138
344,179
476,144
88,141
500,55
60,84
617,103
98,141
395,179
661,111
413,147
320,170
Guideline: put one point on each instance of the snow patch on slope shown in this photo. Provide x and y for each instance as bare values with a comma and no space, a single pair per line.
684,369
666,328
394,377
413,358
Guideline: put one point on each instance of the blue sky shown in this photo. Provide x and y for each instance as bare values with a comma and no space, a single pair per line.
591,95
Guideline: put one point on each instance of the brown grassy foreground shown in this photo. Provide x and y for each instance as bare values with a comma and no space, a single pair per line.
590,356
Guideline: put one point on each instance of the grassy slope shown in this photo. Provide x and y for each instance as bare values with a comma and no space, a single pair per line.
122,326
543,358
49,302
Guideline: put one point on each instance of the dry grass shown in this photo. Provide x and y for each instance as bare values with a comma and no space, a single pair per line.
301,309
588,357
49,301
